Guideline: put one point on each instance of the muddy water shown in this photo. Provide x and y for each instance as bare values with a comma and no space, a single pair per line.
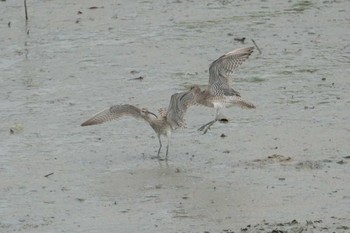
286,160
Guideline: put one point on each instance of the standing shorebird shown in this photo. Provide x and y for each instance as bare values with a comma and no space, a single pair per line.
168,120
219,93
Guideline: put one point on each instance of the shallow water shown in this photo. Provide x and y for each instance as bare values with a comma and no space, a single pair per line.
69,66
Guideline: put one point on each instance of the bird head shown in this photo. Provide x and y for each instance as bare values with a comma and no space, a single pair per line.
145,112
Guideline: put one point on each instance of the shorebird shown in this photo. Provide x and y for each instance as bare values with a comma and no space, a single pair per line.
167,121
219,93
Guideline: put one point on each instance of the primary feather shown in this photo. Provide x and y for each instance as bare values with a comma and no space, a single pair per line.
112,113
179,103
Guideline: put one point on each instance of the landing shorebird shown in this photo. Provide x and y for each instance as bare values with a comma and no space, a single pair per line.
219,94
167,121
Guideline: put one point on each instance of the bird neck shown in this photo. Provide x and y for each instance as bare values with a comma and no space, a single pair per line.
149,118
160,125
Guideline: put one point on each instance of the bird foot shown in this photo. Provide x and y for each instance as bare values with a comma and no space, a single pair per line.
156,157
159,158
206,127
202,128
206,130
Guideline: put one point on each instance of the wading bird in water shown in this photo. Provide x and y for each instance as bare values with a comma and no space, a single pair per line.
219,93
167,121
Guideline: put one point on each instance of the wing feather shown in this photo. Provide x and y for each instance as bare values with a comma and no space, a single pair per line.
179,103
112,113
220,70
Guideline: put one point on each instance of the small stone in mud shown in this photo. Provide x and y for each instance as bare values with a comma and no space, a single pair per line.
223,120
177,170
228,231
343,227
242,39
323,79
278,231
297,229
281,178
80,199
223,135
293,222
79,13
226,152
16,128
49,174
341,162
308,165
138,78
347,157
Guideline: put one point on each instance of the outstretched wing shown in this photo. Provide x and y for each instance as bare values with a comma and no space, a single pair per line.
179,103
112,113
220,70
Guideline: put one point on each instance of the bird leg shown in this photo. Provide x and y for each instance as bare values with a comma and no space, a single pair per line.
167,149
160,147
207,126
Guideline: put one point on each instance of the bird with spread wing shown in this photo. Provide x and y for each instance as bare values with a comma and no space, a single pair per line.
167,121
219,94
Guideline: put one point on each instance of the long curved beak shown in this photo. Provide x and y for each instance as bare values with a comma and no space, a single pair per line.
152,114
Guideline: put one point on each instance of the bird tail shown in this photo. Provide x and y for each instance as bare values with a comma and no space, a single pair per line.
245,104
237,100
